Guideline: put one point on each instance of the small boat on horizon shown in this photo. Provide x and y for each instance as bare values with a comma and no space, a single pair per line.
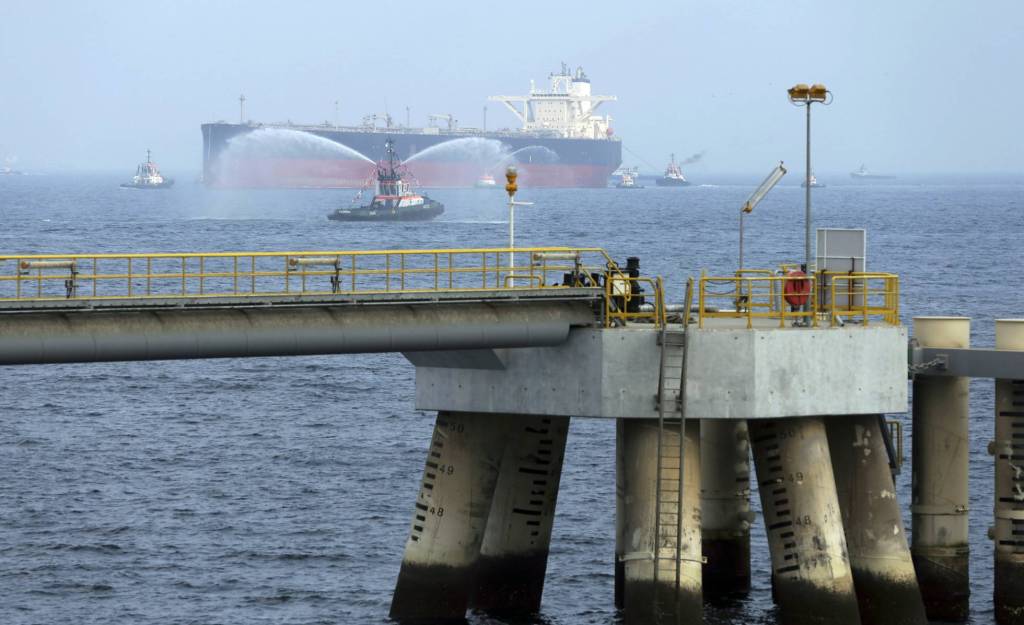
814,183
147,176
486,181
673,175
394,199
863,173
7,170
628,180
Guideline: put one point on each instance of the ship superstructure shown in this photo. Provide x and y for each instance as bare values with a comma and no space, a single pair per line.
561,142
565,109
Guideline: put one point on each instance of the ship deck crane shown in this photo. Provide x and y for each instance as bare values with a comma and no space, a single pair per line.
371,120
448,118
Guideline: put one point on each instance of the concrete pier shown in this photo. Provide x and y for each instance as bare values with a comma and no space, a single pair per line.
509,577
670,600
450,517
1009,492
876,540
813,582
725,506
941,448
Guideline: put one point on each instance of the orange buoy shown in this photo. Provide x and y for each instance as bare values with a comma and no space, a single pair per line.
797,288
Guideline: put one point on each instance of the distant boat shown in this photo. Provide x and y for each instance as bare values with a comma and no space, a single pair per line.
147,176
7,170
628,180
485,181
814,183
673,175
863,173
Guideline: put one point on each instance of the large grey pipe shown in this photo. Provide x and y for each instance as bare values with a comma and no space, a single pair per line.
92,336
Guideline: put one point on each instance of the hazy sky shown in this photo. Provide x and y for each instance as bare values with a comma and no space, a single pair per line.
920,86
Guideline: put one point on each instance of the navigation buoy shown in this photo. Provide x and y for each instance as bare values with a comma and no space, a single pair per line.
797,288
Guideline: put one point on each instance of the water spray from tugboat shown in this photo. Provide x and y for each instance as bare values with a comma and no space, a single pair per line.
491,155
282,142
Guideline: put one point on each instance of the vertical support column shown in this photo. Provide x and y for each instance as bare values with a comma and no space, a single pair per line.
514,553
812,578
941,447
665,602
620,511
883,571
1009,505
725,506
450,517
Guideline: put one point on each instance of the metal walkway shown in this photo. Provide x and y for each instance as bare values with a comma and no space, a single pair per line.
108,307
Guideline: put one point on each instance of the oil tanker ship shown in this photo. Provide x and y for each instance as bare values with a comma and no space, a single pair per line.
561,142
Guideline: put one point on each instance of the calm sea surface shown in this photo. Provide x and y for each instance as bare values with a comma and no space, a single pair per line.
279,490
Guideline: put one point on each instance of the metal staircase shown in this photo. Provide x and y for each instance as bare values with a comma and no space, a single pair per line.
668,501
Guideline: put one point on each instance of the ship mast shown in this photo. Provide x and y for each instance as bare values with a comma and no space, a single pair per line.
241,109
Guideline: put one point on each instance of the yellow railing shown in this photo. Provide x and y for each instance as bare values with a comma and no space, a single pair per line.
625,298
835,298
753,297
861,297
49,277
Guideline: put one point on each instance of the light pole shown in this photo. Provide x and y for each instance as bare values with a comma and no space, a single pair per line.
802,95
510,176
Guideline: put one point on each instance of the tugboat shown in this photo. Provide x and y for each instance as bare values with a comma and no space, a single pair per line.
628,180
147,176
814,183
394,199
486,181
7,170
863,173
673,176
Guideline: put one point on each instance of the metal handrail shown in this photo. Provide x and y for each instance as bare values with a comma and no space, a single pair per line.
209,275
837,297
864,295
618,296
758,297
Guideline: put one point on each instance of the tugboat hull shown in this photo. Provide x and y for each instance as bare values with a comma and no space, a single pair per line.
166,184
424,212
672,182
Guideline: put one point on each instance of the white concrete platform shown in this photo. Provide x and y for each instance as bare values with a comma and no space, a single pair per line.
733,373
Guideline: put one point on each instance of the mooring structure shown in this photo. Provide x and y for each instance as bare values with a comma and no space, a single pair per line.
507,355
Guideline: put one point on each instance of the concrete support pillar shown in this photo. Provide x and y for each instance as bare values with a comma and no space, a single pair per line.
620,511
669,600
450,517
509,578
940,453
1009,505
725,506
876,540
813,583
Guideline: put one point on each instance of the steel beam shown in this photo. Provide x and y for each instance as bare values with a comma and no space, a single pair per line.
967,362
92,336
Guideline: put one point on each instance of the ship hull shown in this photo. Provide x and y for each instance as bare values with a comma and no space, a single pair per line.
166,184
545,162
424,212
671,182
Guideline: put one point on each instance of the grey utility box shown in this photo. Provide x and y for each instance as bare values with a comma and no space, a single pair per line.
841,250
